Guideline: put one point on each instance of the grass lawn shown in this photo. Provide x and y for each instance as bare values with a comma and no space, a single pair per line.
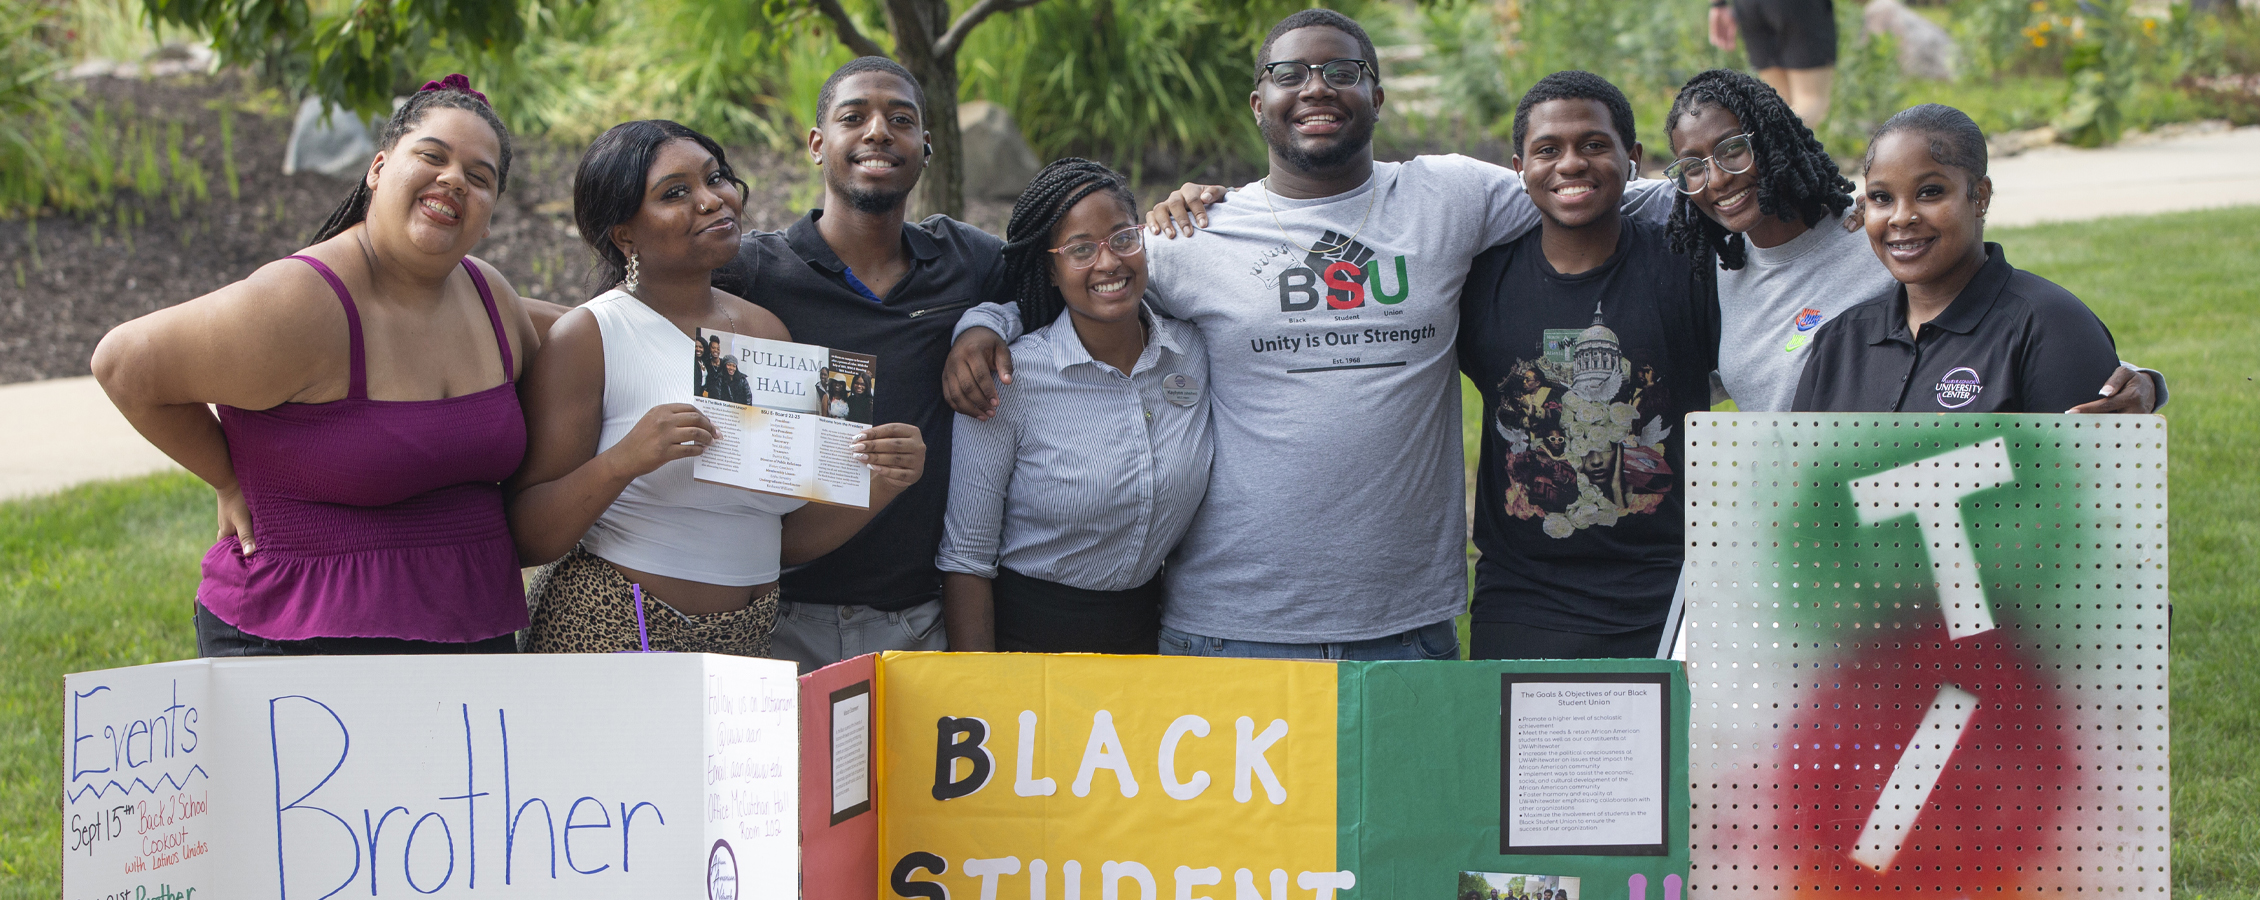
102,576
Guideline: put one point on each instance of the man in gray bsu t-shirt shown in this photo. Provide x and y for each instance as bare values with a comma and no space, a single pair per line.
1334,524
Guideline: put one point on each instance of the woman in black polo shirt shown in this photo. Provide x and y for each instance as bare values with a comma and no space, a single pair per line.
1966,331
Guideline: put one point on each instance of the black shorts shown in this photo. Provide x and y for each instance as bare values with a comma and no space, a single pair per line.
1787,34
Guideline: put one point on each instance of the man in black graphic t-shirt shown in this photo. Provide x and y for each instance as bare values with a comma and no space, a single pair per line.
1590,341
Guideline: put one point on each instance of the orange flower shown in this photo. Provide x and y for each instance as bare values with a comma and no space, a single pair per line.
2040,40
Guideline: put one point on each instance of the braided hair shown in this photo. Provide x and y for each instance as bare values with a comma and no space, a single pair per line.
1796,178
1028,237
407,117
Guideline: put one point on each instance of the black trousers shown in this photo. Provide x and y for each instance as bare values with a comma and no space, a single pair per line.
215,637
1507,640
1038,616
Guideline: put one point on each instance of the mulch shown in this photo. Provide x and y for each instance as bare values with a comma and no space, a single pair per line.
65,281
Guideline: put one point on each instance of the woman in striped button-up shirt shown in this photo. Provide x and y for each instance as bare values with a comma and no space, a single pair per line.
1065,502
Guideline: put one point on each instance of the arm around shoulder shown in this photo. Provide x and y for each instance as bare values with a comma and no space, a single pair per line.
2068,353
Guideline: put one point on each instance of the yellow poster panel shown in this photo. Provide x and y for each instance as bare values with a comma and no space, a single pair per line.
1050,777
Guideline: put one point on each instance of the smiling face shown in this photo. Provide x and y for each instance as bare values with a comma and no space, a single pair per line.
435,188
1923,219
1573,162
689,217
1316,126
1108,291
872,142
1727,198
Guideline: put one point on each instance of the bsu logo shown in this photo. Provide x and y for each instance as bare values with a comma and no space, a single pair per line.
1342,276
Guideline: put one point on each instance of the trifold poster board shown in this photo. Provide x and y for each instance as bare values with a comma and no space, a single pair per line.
1150,778
625,775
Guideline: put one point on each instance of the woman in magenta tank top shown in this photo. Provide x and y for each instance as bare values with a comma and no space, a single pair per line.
368,411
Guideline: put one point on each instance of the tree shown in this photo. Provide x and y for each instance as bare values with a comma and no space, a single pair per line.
926,42
366,52
359,56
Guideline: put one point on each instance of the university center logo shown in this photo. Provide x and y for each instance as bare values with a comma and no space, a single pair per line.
1959,388
1343,277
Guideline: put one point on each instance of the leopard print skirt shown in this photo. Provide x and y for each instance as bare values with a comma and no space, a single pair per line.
581,604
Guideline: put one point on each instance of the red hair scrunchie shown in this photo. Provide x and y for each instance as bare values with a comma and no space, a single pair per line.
455,82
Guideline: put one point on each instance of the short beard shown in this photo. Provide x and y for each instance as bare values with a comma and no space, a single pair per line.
1281,139
875,202
869,202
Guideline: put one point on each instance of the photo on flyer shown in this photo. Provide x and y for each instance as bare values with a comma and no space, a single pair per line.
1506,886
784,415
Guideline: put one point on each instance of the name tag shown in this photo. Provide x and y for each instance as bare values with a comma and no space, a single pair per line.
1180,389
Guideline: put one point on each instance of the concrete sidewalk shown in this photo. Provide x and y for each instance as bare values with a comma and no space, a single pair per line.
65,432
2063,184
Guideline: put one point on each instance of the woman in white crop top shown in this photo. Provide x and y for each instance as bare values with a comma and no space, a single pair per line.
606,498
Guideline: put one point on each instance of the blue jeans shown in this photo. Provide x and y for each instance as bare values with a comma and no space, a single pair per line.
1438,641
815,635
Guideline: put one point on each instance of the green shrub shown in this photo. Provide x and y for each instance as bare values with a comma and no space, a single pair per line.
1868,87
1117,81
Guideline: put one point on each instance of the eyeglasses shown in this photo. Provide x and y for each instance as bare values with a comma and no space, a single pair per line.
1128,242
1339,73
1691,174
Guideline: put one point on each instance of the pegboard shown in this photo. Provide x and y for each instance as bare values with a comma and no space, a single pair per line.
1927,654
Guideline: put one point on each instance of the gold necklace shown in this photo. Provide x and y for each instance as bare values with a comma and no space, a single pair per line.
1322,250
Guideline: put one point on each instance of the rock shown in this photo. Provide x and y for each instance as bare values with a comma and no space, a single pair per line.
340,147
998,163
1925,49
2010,143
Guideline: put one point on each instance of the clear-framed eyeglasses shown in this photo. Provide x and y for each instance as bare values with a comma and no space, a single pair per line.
1126,243
1339,73
1732,156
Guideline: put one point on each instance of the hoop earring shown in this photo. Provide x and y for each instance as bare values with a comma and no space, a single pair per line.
635,268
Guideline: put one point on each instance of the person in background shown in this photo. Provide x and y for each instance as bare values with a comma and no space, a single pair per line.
1064,504
1590,340
634,545
1792,44
855,276
367,410
1758,193
1966,331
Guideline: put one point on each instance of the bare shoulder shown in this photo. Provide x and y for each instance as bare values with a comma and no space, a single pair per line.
277,335
575,336
276,314
752,319
528,323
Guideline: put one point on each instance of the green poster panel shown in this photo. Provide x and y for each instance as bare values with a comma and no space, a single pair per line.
1476,780
1927,654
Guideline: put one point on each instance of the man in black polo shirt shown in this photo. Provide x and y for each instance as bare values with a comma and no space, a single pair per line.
854,276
